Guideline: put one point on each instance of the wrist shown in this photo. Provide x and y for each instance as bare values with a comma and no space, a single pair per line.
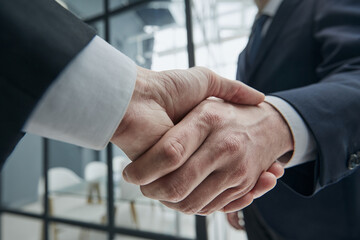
146,112
129,114
281,132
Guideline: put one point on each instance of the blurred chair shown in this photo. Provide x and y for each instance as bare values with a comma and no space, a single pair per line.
119,163
59,179
130,192
95,172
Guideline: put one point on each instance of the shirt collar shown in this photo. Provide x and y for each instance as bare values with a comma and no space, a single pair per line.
271,7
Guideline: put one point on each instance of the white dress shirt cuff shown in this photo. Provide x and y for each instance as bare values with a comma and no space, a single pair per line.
87,101
304,143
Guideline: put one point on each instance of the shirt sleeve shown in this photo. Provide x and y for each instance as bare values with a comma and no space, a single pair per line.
87,101
304,143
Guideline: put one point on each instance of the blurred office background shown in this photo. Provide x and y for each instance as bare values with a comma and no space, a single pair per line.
53,190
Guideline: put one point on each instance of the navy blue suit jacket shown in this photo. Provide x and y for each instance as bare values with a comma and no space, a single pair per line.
38,38
310,57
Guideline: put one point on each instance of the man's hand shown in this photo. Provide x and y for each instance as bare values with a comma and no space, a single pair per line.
213,158
161,99
265,183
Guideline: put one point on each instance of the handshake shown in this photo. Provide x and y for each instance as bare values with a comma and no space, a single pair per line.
198,154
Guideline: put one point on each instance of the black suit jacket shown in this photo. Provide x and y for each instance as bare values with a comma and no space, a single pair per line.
310,57
38,38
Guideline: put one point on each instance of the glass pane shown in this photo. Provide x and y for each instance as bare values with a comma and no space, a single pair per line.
114,4
84,9
219,228
67,232
30,229
133,210
221,32
21,175
100,28
77,183
154,35
147,215
125,237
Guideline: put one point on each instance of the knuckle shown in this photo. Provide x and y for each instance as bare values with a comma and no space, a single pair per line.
203,70
236,177
210,117
174,152
239,175
183,206
175,192
210,77
231,144
240,172
189,211
188,208
206,212
244,187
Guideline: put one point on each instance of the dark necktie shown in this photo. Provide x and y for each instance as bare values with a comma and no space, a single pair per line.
255,38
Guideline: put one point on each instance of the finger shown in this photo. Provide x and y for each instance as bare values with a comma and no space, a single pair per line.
230,90
223,199
179,184
172,150
200,197
239,204
266,182
215,186
277,169
233,220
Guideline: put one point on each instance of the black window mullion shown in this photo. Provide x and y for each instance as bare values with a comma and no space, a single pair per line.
200,221
110,194
1,203
106,18
201,232
46,190
189,33
109,150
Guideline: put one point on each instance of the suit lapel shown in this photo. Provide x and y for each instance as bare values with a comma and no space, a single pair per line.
241,69
283,13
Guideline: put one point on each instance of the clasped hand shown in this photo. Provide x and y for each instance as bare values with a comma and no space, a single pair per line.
200,155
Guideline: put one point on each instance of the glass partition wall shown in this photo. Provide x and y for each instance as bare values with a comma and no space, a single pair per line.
68,192
54,190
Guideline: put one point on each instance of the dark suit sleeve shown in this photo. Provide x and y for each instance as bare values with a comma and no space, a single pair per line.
38,39
331,108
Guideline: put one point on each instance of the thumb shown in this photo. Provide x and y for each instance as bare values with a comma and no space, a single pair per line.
230,90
